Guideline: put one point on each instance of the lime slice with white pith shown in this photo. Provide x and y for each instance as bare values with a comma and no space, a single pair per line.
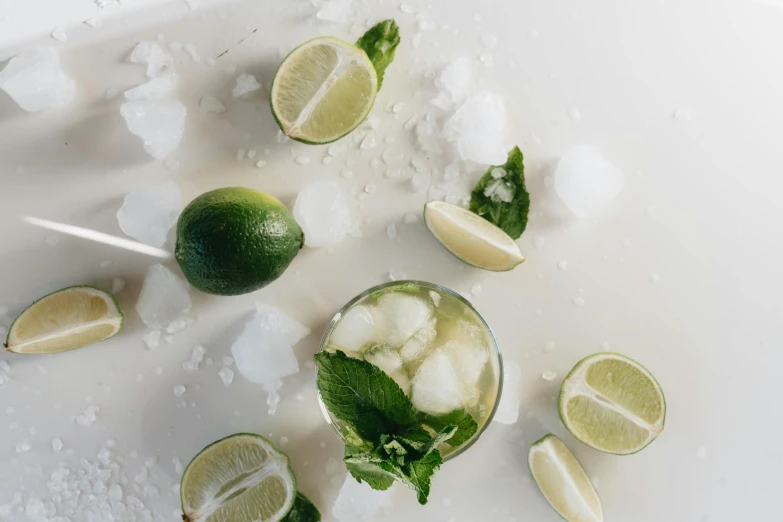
472,238
67,319
323,90
612,404
242,478
563,482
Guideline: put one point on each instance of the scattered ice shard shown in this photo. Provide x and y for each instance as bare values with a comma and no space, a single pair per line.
158,61
159,124
436,387
358,502
479,129
154,89
164,297
246,83
586,181
335,10
263,353
321,209
355,329
508,409
35,80
454,83
211,105
148,213
403,314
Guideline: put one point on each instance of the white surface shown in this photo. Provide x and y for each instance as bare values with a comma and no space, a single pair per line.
681,272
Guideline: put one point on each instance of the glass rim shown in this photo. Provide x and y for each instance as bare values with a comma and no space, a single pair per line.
433,286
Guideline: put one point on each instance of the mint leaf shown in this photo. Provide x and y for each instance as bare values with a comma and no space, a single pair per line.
302,511
415,438
380,43
368,466
420,473
442,436
501,197
362,395
466,425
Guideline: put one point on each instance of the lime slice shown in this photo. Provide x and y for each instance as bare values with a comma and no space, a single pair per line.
472,238
67,319
612,404
242,478
563,481
323,90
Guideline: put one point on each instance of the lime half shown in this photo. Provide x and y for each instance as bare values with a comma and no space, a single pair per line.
563,481
612,404
67,319
323,90
472,238
242,478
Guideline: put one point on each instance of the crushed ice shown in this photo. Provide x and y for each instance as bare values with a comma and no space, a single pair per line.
35,81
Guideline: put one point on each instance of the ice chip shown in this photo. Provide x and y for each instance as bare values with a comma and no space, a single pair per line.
263,353
508,409
335,10
158,61
403,314
159,124
385,358
479,129
321,209
148,213
355,329
454,83
164,297
421,341
436,387
358,502
586,181
35,81
246,83
211,105
154,89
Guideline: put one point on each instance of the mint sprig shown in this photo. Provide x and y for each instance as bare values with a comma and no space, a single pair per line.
389,439
380,43
363,396
501,197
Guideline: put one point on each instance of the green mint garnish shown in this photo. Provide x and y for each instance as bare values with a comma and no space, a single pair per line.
389,440
302,511
363,395
501,197
380,43
466,425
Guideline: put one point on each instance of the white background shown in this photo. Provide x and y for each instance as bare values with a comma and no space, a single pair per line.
701,209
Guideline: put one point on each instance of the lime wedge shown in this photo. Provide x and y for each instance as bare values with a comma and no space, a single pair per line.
563,481
242,478
472,238
323,90
67,319
612,404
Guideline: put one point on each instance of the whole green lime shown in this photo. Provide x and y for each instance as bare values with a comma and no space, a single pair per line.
235,240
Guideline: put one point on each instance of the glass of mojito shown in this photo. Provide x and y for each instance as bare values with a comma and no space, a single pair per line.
431,342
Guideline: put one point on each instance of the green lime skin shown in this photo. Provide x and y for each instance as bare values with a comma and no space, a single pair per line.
235,240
